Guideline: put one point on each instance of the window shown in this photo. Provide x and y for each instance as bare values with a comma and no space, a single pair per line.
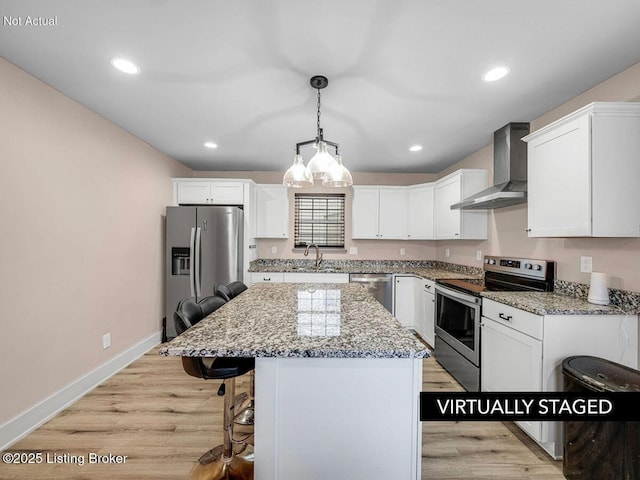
319,219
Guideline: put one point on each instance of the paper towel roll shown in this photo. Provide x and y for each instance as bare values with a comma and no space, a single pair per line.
598,291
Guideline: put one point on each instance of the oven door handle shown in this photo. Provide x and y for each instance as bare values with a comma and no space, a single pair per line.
466,299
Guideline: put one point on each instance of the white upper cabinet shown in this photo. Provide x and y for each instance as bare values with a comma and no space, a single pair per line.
210,192
364,212
584,172
460,224
272,211
379,213
392,213
420,212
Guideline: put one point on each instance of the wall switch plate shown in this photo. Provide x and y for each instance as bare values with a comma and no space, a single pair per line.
586,264
274,249
353,250
447,253
106,341
402,251
479,255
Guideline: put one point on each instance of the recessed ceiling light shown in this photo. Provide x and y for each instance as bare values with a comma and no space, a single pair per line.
210,145
496,74
415,148
125,65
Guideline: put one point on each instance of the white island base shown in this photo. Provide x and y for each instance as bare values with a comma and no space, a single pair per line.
330,418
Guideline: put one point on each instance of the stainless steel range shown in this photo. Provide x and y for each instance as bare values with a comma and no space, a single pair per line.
459,310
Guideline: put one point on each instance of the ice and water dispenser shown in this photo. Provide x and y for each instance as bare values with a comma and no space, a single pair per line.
180,261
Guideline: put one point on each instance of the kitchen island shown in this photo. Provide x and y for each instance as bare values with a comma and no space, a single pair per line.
337,380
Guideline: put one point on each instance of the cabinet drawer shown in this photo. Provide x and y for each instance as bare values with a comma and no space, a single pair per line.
519,320
274,277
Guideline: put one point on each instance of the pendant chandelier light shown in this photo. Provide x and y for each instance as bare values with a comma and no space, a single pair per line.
322,165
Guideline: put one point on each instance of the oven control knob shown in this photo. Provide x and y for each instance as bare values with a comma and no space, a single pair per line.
492,261
527,266
486,260
537,267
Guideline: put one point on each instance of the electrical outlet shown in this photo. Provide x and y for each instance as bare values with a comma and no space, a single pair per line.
479,255
353,250
447,253
402,251
274,249
586,264
106,341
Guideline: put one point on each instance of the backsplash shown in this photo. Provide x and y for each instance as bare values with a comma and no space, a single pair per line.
625,300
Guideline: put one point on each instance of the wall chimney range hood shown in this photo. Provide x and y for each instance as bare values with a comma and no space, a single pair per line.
509,171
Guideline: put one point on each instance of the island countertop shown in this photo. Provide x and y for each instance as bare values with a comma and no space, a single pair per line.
299,320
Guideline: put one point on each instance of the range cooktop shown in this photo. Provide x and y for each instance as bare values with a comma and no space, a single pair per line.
507,274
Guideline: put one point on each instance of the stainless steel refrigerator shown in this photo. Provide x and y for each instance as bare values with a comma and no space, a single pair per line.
203,249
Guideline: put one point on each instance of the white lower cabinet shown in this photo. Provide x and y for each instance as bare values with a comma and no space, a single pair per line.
407,301
304,277
521,373
428,318
273,277
523,352
299,277
414,305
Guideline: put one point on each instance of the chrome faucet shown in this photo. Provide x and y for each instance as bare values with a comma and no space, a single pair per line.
318,254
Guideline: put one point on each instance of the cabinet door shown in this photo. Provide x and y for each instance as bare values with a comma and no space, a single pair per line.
511,362
420,213
447,221
615,163
306,277
392,215
194,193
404,294
364,213
429,324
559,181
272,211
227,193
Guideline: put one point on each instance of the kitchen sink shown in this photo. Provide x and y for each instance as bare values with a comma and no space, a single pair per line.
320,269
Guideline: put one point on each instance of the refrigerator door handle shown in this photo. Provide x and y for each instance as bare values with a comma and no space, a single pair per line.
197,264
191,262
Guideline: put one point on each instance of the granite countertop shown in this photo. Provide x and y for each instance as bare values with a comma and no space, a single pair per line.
437,273
299,320
430,270
550,303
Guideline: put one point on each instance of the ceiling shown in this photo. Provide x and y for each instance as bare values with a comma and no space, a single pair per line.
401,72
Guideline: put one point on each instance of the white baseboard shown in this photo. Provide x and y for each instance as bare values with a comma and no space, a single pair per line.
26,422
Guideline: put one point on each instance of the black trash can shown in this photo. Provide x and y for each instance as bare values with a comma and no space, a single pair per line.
600,450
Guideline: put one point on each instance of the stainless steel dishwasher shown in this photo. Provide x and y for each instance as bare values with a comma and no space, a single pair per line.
380,285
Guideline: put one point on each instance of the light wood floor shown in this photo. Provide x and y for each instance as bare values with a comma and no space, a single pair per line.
163,420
